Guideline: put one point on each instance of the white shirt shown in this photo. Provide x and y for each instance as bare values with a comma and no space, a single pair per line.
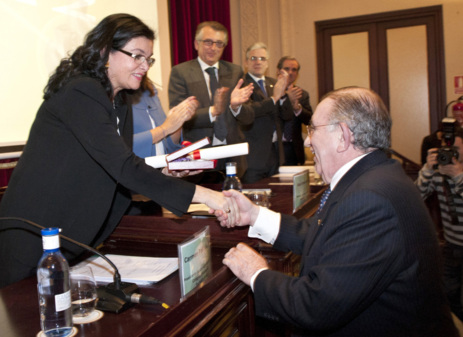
267,225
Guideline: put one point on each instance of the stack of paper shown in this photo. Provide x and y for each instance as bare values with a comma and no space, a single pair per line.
136,269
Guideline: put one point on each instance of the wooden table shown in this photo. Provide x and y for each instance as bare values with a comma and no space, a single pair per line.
223,306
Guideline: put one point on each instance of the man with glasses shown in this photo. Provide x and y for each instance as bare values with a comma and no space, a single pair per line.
214,83
297,102
264,134
370,261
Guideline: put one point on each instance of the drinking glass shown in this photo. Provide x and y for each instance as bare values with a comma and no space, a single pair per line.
260,198
83,291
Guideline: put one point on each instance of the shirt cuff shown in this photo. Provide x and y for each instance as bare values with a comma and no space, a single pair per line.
237,112
212,118
253,278
266,226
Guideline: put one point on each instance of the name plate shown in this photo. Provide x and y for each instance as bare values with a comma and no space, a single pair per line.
195,264
301,189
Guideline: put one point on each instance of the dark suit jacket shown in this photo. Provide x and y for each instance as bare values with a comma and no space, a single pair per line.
71,175
297,121
267,119
187,79
370,262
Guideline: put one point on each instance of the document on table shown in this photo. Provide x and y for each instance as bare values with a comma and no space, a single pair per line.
136,269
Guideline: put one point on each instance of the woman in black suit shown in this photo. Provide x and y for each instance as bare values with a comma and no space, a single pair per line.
78,166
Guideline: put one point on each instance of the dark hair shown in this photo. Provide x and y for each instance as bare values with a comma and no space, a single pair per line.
217,26
90,59
284,58
364,113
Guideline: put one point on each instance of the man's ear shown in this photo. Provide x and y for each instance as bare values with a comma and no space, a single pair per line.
196,44
346,137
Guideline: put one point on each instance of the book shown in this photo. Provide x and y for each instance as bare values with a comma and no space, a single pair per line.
187,149
180,165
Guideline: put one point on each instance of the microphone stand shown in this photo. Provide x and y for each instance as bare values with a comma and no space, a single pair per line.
114,297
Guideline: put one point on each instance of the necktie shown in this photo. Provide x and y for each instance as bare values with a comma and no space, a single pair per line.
325,196
220,124
262,87
213,83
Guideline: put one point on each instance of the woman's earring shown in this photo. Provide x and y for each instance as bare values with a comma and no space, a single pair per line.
107,65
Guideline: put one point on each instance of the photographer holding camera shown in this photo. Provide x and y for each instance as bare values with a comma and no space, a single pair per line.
443,173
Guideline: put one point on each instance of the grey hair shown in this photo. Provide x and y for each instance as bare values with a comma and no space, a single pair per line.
257,45
364,113
217,26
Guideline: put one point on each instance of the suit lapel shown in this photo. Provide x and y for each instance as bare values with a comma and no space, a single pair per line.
197,76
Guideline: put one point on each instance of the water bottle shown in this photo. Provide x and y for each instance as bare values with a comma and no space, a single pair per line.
232,182
54,287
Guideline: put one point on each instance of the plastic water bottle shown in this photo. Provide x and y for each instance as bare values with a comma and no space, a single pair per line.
54,287
232,182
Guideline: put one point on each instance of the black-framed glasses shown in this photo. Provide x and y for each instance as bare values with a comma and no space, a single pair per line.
260,58
139,59
209,43
312,128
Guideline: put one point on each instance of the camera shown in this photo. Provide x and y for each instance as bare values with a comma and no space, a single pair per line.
447,152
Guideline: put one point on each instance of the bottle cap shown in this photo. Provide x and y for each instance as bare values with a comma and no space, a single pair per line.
50,238
50,231
230,168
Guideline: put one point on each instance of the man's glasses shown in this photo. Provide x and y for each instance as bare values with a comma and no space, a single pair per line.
139,59
209,43
312,128
258,58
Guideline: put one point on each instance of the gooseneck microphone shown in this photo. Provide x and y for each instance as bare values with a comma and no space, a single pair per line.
114,297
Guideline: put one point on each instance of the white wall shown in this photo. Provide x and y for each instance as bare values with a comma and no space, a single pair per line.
37,34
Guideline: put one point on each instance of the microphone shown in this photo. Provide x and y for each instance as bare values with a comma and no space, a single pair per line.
114,297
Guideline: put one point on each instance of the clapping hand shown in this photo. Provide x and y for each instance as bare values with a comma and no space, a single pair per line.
281,85
180,114
294,94
240,95
220,101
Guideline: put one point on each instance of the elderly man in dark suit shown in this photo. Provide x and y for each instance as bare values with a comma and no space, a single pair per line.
370,261
264,133
211,80
297,102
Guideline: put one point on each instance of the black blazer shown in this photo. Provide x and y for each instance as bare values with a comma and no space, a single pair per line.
267,119
75,173
303,118
370,262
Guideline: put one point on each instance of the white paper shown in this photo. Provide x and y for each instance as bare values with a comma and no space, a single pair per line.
210,153
225,151
136,269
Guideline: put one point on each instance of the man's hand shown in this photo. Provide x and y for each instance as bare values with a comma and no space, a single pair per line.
220,101
294,95
244,261
451,170
281,85
431,158
245,212
240,95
